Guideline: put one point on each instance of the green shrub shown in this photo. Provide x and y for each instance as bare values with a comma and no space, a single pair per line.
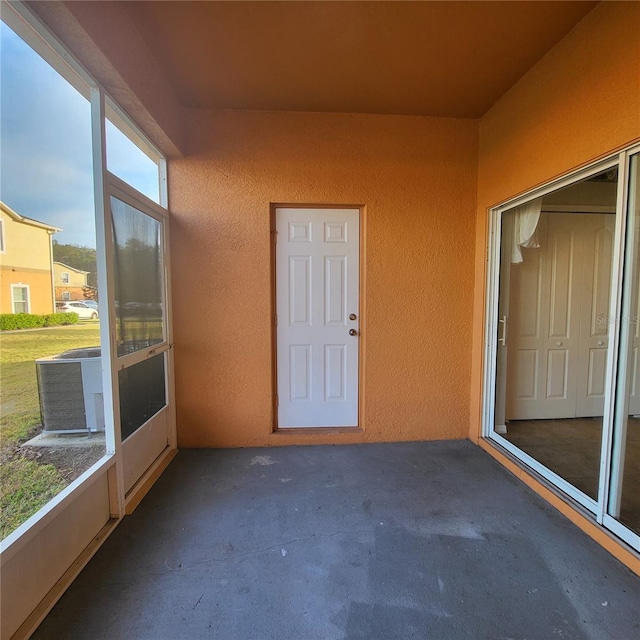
57,319
14,321
9,322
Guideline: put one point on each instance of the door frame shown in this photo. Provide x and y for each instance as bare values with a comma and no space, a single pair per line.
140,459
273,236
137,456
492,287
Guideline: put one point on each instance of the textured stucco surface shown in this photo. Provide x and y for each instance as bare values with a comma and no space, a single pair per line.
580,102
415,177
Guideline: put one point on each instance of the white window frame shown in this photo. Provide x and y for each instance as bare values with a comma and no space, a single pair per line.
2,245
118,118
64,277
19,285
124,192
492,287
19,17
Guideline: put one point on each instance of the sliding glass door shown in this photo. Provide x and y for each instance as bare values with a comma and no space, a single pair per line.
562,360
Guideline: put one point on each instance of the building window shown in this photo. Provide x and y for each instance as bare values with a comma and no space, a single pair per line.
66,295
64,277
20,298
1,236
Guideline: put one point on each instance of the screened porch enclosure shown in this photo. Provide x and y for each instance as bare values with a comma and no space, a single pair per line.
489,318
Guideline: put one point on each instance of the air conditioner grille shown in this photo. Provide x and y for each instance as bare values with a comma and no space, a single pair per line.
61,396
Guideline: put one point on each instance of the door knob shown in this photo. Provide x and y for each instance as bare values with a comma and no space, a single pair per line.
353,332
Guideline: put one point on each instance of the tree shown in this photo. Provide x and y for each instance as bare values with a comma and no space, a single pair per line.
73,255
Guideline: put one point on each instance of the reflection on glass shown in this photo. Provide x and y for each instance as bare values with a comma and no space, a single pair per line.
624,498
142,393
555,275
139,282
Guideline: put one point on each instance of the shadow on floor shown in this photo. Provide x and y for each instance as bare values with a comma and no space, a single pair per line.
380,541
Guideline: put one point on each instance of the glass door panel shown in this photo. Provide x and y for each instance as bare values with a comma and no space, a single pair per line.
624,493
142,393
553,329
139,280
140,294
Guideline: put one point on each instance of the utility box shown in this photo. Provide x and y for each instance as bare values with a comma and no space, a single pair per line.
70,391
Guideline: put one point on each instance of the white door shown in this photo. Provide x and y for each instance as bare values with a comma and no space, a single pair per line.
317,293
597,248
544,329
558,328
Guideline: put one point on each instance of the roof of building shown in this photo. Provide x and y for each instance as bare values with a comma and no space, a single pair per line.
30,221
66,266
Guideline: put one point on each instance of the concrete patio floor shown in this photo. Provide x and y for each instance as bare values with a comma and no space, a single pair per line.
381,541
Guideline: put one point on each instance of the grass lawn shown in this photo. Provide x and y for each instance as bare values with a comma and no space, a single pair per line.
25,484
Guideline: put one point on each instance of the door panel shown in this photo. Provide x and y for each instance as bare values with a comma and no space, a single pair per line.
300,368
558,311
335,277
557,374
144,446
543,322
563,268
299,290
140,296
597,237
317,288
335,372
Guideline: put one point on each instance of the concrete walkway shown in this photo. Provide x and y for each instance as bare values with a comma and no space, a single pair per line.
389,541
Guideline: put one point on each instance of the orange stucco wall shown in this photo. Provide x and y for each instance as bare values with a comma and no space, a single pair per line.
580,102
415,177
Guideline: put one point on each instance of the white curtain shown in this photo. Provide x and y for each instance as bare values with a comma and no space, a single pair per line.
525,223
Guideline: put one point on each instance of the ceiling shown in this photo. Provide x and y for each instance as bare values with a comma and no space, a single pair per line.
451,59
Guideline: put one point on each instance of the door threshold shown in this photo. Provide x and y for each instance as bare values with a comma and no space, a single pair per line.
316,430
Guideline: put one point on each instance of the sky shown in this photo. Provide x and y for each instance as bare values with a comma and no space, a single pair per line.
45,146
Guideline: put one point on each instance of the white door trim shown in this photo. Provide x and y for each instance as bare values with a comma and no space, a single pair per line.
325,409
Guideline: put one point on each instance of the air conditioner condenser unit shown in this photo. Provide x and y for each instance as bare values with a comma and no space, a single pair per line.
70,391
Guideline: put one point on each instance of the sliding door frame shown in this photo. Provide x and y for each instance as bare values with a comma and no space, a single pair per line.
492,287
